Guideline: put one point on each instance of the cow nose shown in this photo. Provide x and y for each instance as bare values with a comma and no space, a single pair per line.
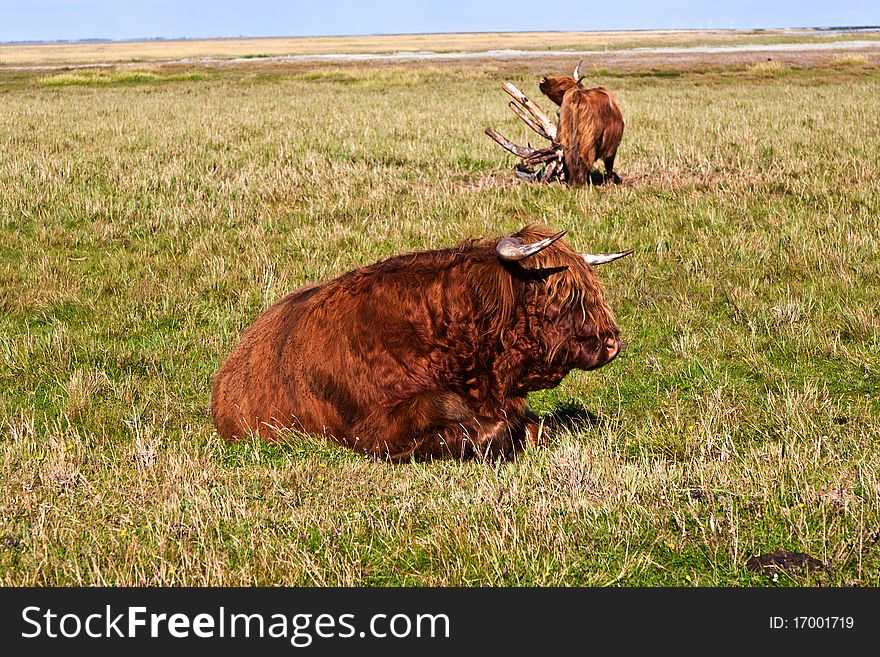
612,346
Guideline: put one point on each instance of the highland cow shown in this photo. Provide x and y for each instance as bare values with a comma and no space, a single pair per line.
424,355
590,126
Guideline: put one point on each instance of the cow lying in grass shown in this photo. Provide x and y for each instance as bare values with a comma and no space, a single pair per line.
424,355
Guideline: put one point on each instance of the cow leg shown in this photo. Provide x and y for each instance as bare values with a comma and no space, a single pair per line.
578,166
610,174
479,437
436,424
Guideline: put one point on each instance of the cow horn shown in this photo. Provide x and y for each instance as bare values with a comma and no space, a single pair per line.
513,249
577,77
602,258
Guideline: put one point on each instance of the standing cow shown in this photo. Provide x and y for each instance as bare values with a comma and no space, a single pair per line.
423,355
590,126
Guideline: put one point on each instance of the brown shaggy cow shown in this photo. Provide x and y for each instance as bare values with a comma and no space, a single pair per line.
423,355
590,126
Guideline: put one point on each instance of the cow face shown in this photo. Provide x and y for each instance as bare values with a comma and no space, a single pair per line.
588,348
576,325
570,326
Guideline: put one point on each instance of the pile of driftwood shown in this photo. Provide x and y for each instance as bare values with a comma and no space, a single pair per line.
550,159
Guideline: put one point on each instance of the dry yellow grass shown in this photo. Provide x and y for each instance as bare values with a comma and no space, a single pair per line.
92,52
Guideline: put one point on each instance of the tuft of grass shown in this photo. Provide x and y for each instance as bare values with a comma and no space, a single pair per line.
768,68
850,60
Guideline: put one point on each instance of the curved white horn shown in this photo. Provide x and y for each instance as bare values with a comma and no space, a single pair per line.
576,76
602,258
512,249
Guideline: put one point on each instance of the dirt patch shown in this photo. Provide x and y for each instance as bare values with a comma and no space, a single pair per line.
782,560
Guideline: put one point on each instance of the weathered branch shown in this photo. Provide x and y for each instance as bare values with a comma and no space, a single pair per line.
548,154
528,176
553,170
505,143
543,120
522,115
538,164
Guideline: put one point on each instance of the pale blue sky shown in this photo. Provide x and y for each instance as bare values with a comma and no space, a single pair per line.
22,20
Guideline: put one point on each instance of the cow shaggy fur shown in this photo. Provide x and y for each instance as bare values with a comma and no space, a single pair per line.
590,127
424,355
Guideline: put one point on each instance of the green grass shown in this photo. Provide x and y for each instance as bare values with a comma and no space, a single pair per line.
144,226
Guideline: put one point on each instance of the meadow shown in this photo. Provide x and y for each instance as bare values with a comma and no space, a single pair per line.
148,215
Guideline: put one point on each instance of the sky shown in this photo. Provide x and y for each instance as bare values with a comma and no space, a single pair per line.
49,20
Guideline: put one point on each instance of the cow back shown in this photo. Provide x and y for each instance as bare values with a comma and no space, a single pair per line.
590,127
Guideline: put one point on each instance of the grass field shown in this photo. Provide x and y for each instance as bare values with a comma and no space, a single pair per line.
148,216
